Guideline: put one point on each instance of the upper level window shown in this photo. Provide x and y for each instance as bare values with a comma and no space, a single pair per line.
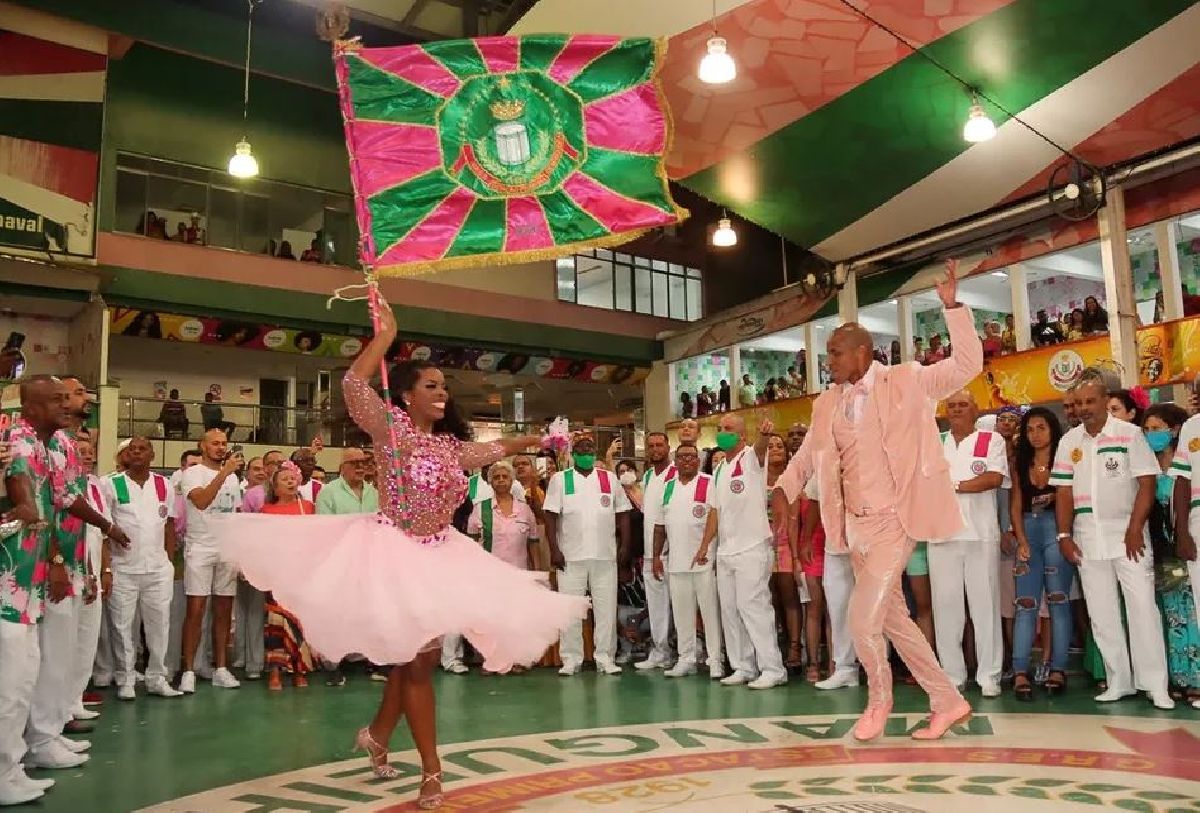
616,281
188,204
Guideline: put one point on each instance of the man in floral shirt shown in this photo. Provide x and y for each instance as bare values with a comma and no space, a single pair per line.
43,488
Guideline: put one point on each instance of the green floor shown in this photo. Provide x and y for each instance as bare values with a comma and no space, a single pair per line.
154,750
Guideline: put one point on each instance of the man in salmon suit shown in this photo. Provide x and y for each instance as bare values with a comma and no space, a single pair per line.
884,484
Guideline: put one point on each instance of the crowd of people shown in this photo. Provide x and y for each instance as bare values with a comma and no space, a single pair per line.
695,560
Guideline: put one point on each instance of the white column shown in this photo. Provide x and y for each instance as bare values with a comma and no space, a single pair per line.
904,311
657,395
1166,240
1118,285
814,358
1018,287
735,373
106,442
848,296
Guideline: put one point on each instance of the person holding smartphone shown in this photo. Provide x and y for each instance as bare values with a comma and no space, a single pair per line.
209,488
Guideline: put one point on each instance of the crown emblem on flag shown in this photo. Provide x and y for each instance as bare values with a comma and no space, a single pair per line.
507,109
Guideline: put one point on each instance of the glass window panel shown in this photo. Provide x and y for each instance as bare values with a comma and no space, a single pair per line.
623,258
174,203
678,292
642,261
603,254
595,283
340,237
643,299
296,218
624,287
565,270
676,268
695,300
223,218
694,273
658,265
255,236
131,202
660,295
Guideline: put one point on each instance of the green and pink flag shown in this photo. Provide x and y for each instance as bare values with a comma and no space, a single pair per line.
504,149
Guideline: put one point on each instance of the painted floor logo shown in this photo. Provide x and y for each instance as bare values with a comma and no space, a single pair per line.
996,763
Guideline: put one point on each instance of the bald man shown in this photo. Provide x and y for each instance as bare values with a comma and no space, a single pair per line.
883,480
969,561
689,431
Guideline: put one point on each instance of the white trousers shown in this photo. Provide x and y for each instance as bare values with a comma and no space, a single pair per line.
452,650
20,661
1100,578
52,704
658,603
747,615
87,636
104,664
148,595
838,582
687,591
175,632
250,617
597,577
962,574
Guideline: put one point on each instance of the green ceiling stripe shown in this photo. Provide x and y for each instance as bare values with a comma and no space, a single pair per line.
820,174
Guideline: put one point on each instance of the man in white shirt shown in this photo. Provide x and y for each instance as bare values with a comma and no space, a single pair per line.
306,459
1106,476
969,562
587,511
209,488
1185,468
659,472
745,556
143,575
250,603
679,516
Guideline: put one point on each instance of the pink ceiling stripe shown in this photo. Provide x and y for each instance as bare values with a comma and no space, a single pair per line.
578,54
500,54
613,211
414,65
527,226
390,154
600,119
434,235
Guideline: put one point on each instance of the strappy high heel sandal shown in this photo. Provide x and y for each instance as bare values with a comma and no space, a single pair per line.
433,800
1022,687
376,753
1056,682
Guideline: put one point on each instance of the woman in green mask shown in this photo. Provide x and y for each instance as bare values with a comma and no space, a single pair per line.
1173,590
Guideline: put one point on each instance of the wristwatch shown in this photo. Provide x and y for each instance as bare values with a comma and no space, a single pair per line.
1061,537
58,559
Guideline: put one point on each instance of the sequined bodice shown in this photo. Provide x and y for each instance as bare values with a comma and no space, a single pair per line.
421,481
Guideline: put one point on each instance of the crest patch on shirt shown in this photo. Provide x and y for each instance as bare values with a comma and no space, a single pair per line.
1194,445
1076,455
978,467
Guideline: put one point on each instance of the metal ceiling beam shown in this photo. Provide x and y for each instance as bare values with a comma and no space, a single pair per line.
515,12
413,12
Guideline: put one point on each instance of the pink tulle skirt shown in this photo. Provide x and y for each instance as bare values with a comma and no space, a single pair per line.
359,586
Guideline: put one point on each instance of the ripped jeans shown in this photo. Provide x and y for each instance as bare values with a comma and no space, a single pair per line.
1046,570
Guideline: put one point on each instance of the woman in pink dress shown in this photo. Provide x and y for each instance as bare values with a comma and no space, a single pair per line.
390,586
511,532
783,579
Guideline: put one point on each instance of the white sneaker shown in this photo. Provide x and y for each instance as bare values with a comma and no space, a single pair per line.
187,683
456,668
74,746
839,680
680,669
53,756
18,793
765,681
25,780
655,661
716,672
608,668
990,689
1113,695
1161,701
160,687
85,714
568,670
126,692
737,679
139,677
224,679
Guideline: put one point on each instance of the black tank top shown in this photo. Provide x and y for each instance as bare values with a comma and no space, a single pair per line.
1029,491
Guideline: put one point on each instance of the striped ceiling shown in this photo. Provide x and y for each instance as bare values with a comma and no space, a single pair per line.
839,138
